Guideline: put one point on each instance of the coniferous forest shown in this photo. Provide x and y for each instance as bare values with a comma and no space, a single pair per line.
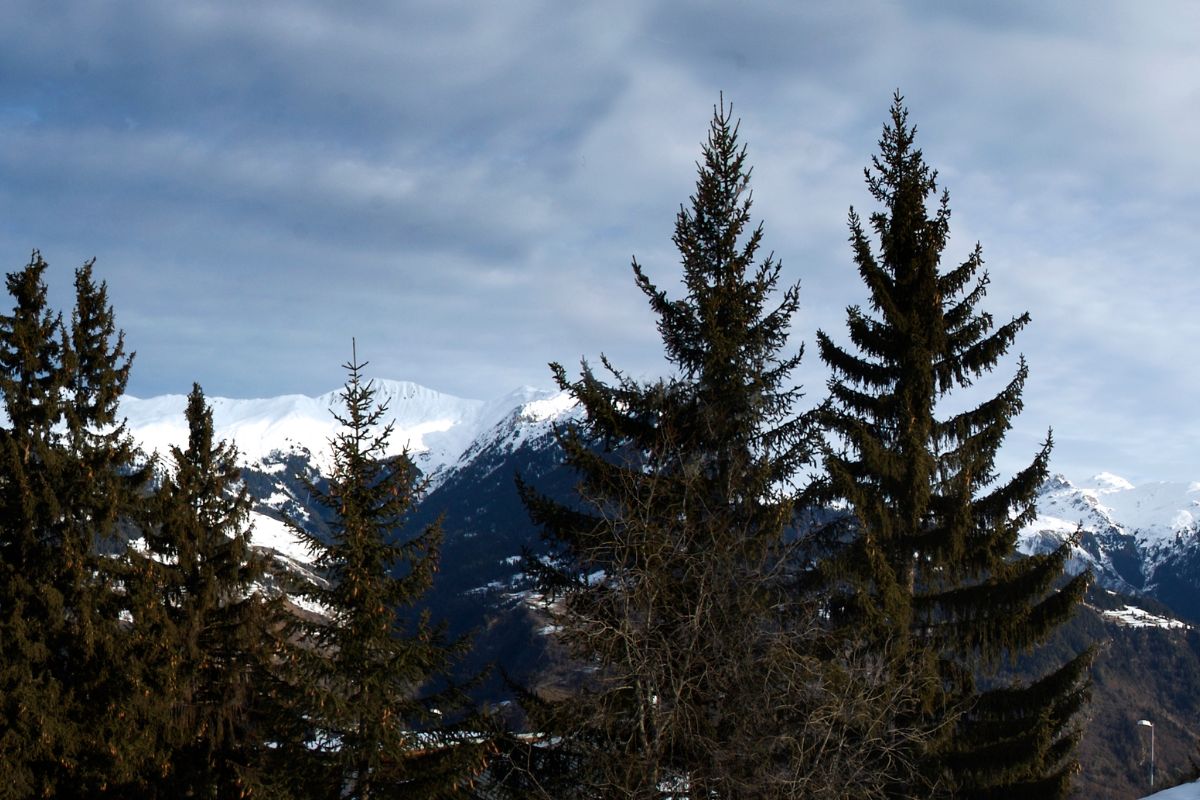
762,592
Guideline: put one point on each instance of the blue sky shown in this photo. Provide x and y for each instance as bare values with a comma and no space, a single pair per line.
461,186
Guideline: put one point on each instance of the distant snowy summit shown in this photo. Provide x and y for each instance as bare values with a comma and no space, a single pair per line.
436,428
1137,540
282,441
1153,514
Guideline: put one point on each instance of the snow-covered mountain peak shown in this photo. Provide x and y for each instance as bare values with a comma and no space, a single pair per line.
407,401
496,410
1131,537
1155,512
1107,482
548,408
434,427
439,430
1152,512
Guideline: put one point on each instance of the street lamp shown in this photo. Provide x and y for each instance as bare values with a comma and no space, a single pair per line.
1150,725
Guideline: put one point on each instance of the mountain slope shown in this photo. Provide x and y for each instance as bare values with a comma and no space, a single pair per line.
1142,540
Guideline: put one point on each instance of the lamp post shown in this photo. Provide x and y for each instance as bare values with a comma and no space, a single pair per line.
1150,725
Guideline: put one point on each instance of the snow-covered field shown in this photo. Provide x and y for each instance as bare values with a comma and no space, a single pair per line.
1135,617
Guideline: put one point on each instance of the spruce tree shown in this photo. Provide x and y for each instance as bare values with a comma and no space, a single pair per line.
371,673
37,739
71,476
670,573
935,577
103,486
202,624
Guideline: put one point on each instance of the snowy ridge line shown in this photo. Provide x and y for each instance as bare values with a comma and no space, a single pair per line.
1155,513
436,428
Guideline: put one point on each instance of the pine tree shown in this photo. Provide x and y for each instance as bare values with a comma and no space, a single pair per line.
671,574
103,486
36,736
71,476
202,624
932,556
370,672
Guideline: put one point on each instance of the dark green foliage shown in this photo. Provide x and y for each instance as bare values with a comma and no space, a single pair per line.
71,476
673,574
202,628
103,490
366,675
36,738
931,567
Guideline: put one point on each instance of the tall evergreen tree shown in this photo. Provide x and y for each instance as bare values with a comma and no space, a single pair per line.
103,487
71,474
672,574
370,670
932,559
202,624
36,736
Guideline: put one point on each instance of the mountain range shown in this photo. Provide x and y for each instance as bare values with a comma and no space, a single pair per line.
1137,540
1142,544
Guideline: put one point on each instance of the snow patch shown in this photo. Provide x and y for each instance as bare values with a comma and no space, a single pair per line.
277,535
549,408
1134,617
1188,791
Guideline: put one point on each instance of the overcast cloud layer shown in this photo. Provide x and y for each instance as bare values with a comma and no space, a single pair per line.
461,186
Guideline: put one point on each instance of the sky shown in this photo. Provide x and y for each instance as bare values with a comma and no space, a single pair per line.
461,186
